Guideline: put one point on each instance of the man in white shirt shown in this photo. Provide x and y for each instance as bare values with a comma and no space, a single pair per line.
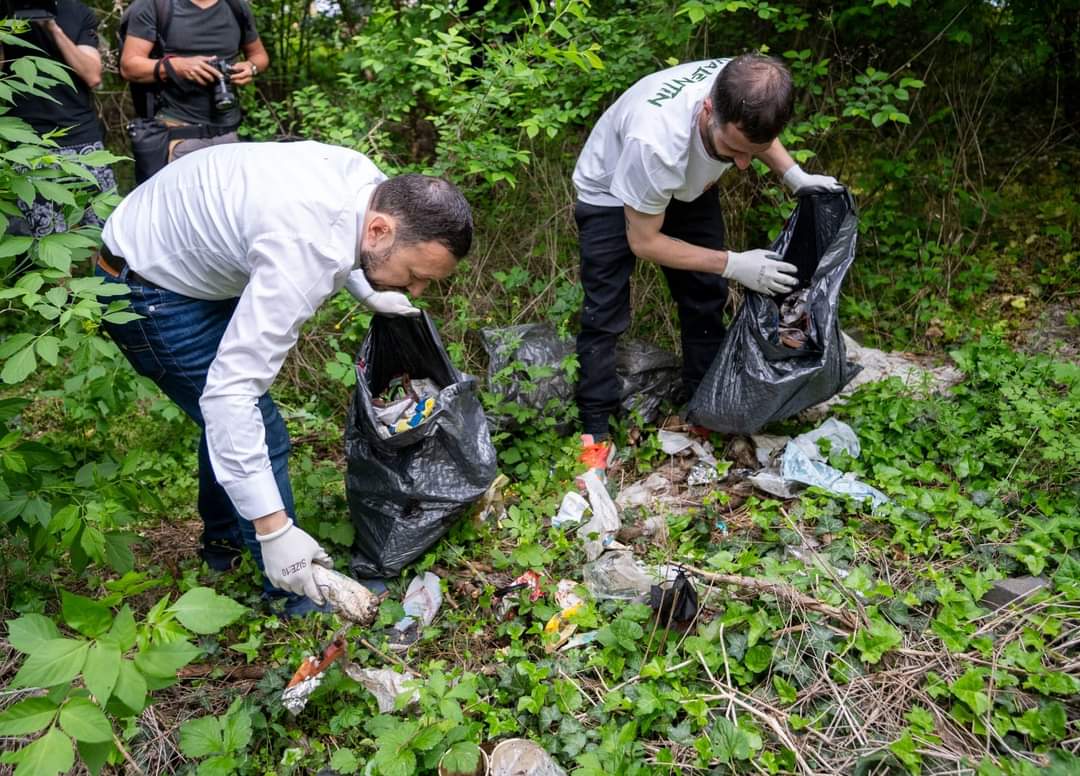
227,252
645,184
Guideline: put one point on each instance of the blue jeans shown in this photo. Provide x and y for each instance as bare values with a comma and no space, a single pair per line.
174,344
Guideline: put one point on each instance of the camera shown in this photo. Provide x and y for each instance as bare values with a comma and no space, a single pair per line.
224,96
30,10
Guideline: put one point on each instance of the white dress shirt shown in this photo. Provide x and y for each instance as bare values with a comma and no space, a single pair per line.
276,225
647,149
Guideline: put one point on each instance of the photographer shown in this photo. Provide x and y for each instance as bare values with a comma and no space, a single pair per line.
197,71
66,33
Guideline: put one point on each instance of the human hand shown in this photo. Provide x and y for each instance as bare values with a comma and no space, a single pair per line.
796,180
197,69
390,303
761,270
241,73
288,556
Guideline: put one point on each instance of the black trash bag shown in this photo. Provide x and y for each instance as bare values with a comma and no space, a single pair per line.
755,378
674,602
526,367
406,490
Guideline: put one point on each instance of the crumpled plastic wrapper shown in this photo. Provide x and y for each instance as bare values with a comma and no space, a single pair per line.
386,685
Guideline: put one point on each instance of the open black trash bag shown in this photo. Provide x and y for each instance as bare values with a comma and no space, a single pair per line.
754,379
526,367
406,490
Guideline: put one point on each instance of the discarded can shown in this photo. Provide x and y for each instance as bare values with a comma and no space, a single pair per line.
521,757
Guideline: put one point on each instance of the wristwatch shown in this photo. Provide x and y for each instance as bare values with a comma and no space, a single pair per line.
254,69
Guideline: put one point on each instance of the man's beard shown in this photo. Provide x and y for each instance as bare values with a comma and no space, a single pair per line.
370,260
710,147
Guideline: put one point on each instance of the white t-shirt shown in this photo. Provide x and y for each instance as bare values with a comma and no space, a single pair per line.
276,225
647,148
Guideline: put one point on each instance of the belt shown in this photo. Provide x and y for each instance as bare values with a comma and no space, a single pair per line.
114,266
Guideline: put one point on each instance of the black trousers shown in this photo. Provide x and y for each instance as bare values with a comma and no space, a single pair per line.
606,265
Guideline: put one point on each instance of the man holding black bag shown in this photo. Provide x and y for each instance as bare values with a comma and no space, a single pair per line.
646,188
181,59
226,253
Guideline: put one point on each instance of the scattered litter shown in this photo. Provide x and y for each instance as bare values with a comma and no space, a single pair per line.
571,511
385,684
422,601
798,467
794,329
643,492
309,676
405,404
879,365
802,463
675,601
493,502
656,528
767,446
580,640
702,473
617,575
569,603
349,598
599,533
676,443
529,580
521,757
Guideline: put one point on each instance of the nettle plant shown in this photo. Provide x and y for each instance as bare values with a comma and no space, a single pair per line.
85,682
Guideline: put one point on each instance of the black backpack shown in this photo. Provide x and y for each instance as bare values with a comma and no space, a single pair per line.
143,96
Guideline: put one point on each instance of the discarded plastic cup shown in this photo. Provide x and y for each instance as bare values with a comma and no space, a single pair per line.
521,757
572,509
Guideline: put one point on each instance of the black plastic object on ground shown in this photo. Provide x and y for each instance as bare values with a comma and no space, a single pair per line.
405,491
755,379
675,601
526,367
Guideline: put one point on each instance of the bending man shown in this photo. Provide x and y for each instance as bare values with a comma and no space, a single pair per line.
227,253
646,188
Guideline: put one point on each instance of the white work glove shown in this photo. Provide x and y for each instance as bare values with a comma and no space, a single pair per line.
390,303
796,180
288,554
761,270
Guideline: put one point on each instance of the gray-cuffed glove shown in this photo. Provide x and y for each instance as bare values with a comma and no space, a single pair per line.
761,270
796,180
288,554
390,303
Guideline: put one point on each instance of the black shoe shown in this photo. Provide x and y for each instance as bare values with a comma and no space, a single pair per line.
221,554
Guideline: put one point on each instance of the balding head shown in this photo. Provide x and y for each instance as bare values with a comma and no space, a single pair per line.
754,92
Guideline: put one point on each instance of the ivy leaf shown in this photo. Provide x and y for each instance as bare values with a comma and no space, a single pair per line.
204,611
85,615
970,689
873,642
52,662
84,721
730,742
27,716
29,631
102,670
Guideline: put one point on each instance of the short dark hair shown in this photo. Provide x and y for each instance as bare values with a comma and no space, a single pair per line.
427,209
754,92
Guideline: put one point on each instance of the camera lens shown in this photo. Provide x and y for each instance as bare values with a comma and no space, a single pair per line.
224,97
